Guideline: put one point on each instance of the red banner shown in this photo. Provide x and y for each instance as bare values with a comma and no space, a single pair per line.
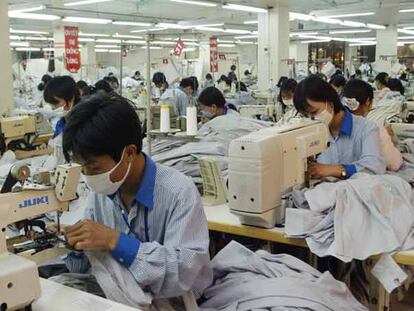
179,47
222,56
213,55
72,55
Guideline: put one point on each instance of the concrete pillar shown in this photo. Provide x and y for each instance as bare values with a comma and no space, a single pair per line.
59,41
204,60
300,53
350,53
88,61
273,43
6,84
386,47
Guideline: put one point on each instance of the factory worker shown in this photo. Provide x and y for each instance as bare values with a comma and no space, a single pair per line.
232,74
285,109
358,97
137,76
146,216
160,83
381,83
396,85
41,88
209,81
338,82
354,143
180,97
62,94
329,68
213,104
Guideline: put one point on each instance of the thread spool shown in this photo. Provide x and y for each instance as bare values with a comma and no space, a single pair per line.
165,119
192,121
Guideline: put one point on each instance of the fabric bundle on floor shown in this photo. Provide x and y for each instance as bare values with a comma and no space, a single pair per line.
355,219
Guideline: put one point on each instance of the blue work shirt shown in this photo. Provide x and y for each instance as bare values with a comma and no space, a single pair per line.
357,147
60,126
176,98
164,239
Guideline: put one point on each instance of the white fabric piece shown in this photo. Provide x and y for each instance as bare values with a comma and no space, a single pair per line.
389,273
389,107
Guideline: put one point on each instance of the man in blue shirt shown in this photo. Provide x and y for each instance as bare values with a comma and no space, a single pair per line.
146,216
354,143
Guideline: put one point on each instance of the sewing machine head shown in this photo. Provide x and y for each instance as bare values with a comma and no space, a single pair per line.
19,279
264,165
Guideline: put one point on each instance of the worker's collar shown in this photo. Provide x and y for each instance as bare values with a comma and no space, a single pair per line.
347,124
145,194
60,126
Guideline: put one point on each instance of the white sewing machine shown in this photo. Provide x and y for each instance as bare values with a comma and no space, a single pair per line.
265,165
19,279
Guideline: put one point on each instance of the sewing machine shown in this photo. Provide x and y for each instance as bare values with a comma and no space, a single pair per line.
265,165
26,132
19,279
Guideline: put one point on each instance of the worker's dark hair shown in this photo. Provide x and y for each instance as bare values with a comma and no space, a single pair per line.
45,80
338,81
113,79
102,124
195,82
281,81
382,78
103,85
225,79
188,82
288,86
209,76
247,72
316,89
159,78
358,89
396,86
81,84
212,96
63,87
233,67
137,73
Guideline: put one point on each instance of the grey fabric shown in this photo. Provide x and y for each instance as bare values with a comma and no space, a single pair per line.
245,280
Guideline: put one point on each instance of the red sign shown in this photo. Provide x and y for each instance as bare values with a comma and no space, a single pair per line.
222,56
213,55
179,47
165,61
125,52
72,55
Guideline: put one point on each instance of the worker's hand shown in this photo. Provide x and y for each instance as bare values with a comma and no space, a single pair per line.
319,171
390,131
90,235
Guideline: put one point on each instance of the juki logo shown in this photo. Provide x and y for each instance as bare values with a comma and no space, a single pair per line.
314,143
35,201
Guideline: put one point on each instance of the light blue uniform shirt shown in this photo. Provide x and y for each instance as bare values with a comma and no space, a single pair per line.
176,98
357,147
164,239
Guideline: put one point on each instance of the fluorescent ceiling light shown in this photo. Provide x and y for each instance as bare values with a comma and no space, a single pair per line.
245,42
135,42
300,16
93,34
225,41
101,50
314,41
163,42
83,2
33,16
406,38
28,49
211,29
363,43
114,51
127,36
349,31
16,38
39,39
246,37
237,31
409,28
352,24
407,11
147,30
37,8
375,26
351,15
109,40
152,47
86,20
29,31
14,44
122,23
326,20
303,33
251,22
201,3
184,39
191,43
186,50
48,49
409,32
106,46
220,45
244,8
86,40
207,25
171,26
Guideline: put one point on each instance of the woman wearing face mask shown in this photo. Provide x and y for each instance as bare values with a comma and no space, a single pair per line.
354,144
213,104
358,97
285,110
338,82
62,94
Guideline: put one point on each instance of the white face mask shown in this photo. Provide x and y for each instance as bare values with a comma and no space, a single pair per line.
101,183
288,102
324,117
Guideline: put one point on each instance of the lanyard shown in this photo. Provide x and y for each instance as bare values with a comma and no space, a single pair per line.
145,222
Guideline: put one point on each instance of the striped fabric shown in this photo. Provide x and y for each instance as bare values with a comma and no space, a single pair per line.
176,257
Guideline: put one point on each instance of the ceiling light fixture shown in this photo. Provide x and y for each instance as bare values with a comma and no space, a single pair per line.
314,41
251,22
303,33
39,39
147,30
363,43
153,47
117,35
352,24
93,34
246,37
37,8
220,45
86,20
34,32
109,40
408,32
84,2
86,39
349,31
244,8
135,42
123,23
114,51
171,26
245,42
48,49
376,27
33,16
351,15
28,49
106,46
16,44
225,41
101,50
201,3
407,11
164,42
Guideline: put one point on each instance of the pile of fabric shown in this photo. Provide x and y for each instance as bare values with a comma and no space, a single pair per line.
387,109
355,219
215,137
